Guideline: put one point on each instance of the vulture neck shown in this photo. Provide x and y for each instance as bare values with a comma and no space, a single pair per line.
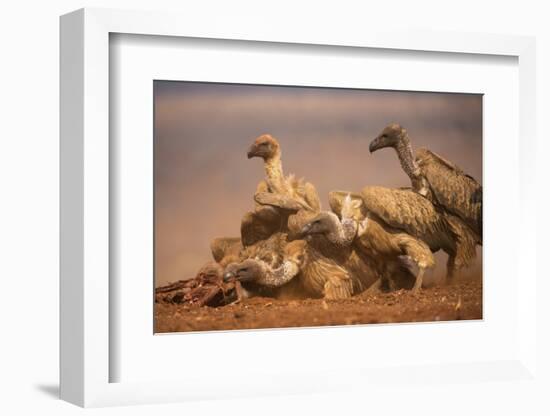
343,233
278,276
406,157
274,173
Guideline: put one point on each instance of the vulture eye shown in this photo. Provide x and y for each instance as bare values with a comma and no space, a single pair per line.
243,270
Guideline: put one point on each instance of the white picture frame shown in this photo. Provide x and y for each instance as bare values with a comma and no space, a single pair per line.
85,211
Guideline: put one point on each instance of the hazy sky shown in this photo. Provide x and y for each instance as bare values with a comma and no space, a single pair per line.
204,182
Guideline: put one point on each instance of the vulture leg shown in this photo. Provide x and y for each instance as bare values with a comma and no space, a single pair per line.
277,200
418,282
421,255
451,267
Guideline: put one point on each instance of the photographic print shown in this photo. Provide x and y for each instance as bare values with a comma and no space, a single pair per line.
290,206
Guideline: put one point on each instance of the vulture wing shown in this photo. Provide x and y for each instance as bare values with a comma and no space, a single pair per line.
400,209
312,197
225,249
302,192
273,210
403,210
457,192
263,222
466,241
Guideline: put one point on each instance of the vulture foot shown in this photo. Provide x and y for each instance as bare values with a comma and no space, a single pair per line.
276,200
418,283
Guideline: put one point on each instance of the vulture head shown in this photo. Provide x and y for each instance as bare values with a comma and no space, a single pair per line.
324,223
246,271
391,136
265,146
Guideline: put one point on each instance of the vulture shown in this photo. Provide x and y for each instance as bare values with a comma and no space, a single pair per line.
228,252
272,255
282,202
403,211
279,201
304,193
316,275
435,178
387,250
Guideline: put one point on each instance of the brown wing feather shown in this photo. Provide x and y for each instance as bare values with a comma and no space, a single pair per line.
225,249
324,277
268,218
457,192
261,187
465,241
399,209
263,222
403,210
260,225
312,197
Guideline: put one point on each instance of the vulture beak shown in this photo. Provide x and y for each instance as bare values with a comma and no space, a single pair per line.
304,231
229,276
251,152
375,144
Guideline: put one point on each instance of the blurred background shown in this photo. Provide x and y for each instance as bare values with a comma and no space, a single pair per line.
204,182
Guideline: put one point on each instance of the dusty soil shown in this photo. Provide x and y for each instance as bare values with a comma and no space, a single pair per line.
461,300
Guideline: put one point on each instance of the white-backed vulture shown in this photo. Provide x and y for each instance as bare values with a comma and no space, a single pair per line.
383,248
405,211
304,193
294,198
270,254
228,251
317,275
434,177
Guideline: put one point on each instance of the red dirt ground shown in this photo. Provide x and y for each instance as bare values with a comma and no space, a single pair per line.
461,300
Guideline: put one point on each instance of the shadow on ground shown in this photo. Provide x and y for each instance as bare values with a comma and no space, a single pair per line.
51,390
